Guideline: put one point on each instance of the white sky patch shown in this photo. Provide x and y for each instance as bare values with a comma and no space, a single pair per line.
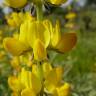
67,3
7,10
82,2
1,3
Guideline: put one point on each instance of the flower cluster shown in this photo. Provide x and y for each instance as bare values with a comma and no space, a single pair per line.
30,82
16,19
36,37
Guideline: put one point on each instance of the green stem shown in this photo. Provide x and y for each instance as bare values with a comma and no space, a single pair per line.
40,72
39,12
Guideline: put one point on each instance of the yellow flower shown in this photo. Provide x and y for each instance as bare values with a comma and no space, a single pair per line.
32,35
16,3
71,15
26,83
55,33
53,81
30,81
36,31
57,2
15,19
69,25
41,34
63,90
14,83
60,42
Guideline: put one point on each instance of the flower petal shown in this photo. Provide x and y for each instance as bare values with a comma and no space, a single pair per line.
15,3
55,34
39,51
38,31
67,42
46,68
36,84
14,83
28,92
23,33
14,46
64,90
57,2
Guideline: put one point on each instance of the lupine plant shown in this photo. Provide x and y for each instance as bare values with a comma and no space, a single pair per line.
30,48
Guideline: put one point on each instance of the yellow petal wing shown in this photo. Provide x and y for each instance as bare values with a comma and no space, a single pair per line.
15,3
28,92
64,90
57,2
67,42
14,46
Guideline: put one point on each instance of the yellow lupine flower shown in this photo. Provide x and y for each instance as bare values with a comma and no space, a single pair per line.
37,30
53,82
49,36
64,90
53,79
15,3
71,15
30,81
55,33
26,83
15,19
15,46
29,33
11,22
14,83
57,2
62,42
69,25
